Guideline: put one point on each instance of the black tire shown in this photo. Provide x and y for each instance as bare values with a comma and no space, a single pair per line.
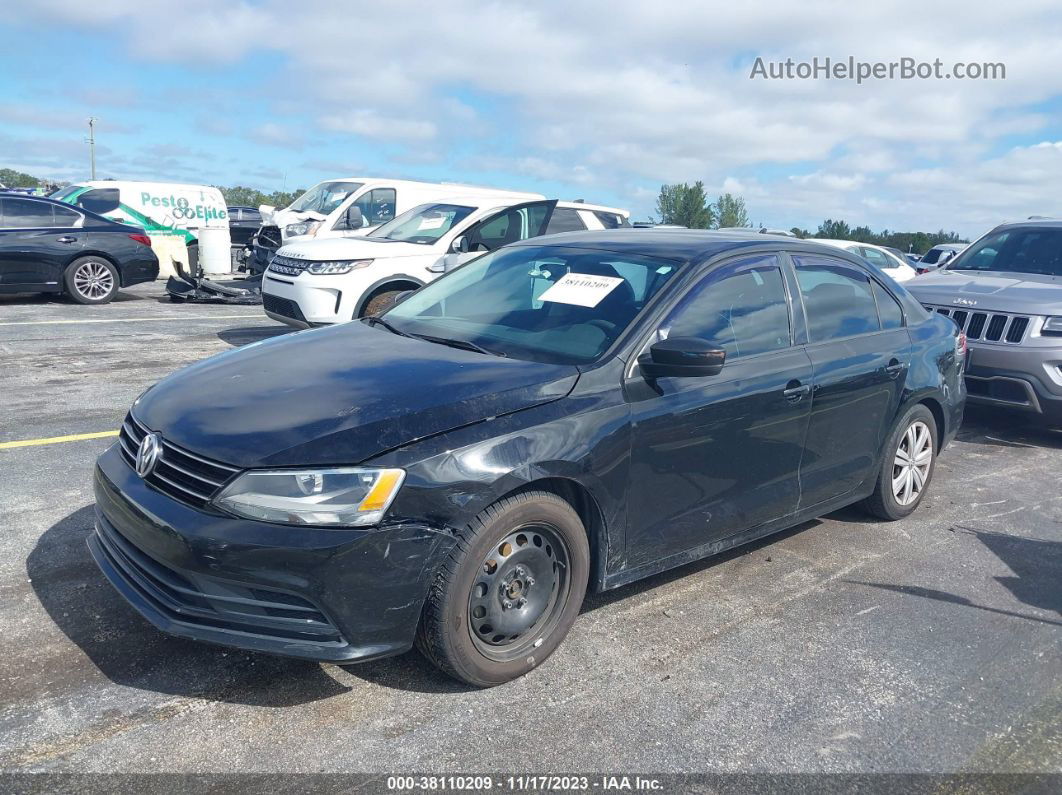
451,631
91,280
379,302
884,503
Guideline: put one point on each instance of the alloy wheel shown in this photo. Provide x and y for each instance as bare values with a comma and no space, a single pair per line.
910,466
93,280
519,593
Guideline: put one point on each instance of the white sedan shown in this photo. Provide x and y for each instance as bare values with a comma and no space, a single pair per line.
881,258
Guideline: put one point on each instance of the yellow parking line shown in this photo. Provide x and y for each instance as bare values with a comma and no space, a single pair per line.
75,437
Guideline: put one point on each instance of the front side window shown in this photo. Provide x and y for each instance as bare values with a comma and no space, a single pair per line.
1028,250
931,256
837,298
424,224
25,214
325,197
516,223
741,308
377,206
99,200
544,303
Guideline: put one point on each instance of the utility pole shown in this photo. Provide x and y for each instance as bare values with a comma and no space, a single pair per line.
91,141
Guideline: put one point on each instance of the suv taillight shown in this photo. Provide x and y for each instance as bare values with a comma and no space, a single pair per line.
143,240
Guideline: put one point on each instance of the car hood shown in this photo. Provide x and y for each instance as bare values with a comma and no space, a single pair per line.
1025,293
329,248
338,395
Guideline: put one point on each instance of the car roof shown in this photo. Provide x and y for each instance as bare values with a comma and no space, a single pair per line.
1050,223
678,244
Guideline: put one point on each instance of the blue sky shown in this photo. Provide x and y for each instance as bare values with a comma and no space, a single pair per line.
603,101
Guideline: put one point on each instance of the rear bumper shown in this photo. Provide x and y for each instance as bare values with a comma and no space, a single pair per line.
329,595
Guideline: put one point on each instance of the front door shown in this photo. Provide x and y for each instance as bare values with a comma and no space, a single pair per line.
861,355
712,456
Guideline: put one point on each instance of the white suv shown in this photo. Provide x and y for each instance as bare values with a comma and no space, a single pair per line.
334,280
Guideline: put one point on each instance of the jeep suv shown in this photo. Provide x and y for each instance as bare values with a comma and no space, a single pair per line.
1005,292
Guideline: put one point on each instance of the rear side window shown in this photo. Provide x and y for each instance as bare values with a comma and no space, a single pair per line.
25,214
611,220
65,217
99,200
837,298
741,308
877,259
890,314
565,220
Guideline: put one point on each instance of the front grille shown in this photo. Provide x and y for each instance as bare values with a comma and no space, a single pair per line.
269,236
987,326
180,474
282,306
216,604
289,266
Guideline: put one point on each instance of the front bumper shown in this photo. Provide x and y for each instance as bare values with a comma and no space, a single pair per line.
303,301
329,595
1026,378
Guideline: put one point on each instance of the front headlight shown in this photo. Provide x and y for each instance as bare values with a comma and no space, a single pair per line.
339,497
334,267
1053,325
301,228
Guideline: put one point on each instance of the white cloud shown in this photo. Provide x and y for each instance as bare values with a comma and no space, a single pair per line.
624,98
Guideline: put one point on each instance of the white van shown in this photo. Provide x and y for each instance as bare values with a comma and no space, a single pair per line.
346,207
172,214
330,281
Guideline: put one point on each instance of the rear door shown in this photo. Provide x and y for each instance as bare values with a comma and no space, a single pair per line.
860,357
35,244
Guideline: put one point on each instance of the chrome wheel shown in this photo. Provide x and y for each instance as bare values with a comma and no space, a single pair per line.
521,589
910,467
93,280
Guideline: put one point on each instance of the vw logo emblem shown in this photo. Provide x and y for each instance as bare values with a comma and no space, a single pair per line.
149,454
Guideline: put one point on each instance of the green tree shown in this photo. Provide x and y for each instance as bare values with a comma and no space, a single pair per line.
833,230
684,205
252,197
17,179
801,233
729,210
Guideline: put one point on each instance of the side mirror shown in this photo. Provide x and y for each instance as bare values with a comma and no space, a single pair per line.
682,357
459,245
355,220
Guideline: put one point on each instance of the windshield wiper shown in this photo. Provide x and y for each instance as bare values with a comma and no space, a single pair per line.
463,344
373,320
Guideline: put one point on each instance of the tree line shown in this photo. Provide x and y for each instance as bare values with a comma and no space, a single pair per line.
688,205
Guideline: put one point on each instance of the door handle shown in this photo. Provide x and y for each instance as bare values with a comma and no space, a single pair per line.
67,239
794,391
895,367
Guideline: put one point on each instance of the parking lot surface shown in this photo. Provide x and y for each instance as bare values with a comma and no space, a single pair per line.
933,644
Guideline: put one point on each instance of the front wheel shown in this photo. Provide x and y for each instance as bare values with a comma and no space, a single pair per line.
380,302
907,468
91,280
509,590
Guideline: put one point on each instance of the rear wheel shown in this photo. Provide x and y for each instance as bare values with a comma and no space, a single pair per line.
91,280
907,468
508,592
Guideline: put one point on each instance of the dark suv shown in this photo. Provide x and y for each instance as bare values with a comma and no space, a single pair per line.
569,412
1005,292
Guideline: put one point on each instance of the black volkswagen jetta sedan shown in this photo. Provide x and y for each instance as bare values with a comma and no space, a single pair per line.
556,415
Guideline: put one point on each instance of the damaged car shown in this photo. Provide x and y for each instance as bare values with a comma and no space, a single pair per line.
559,415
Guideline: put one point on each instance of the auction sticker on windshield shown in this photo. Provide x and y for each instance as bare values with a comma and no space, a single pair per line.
581,289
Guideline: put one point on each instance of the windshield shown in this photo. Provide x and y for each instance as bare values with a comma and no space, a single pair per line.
544,303
1028,250
324,198
424,224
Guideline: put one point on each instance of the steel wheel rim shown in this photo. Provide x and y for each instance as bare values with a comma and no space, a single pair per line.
911,463
520,590
93,280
